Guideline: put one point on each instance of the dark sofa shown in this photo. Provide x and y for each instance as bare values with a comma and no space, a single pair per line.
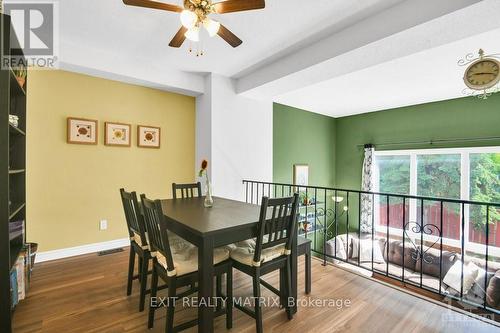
429,271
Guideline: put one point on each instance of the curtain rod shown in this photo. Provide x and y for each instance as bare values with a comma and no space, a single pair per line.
431,142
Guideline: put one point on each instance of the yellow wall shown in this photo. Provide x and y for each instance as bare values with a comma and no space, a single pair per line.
71,187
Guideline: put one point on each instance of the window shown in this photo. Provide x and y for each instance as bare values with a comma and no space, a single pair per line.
457,173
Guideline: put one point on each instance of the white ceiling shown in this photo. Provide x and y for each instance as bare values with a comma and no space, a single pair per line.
427,76
143,34
334,57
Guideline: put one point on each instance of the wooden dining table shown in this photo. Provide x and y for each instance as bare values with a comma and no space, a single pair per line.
228,221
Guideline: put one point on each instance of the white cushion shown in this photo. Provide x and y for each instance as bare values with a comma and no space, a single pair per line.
365,247
452,278
340,249
137,239
244,252
174,240
185,257
477,289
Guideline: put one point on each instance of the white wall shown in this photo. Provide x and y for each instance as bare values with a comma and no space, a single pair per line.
241,137
203,141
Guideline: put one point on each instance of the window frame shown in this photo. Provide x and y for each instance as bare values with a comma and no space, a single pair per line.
464,191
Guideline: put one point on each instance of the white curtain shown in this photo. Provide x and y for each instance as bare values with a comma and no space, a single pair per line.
367,185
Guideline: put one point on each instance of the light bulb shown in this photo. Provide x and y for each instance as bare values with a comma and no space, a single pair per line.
337,199
188,19
211,26
193,34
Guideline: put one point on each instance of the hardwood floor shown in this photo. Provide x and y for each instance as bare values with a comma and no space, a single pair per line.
87,294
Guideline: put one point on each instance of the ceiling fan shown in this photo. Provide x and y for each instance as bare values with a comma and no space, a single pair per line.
195,14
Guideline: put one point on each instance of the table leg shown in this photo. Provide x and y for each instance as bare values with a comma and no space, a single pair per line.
205,283
294,274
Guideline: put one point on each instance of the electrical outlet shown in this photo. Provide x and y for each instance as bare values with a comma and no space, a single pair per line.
103,225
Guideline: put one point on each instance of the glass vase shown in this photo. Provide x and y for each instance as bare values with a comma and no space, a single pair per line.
209,201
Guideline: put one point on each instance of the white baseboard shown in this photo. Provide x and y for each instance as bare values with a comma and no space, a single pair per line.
79,250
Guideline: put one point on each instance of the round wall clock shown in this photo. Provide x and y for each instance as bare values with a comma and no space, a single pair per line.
482,74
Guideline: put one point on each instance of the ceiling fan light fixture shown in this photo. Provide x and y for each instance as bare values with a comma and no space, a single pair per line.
193,34
211,26
188,19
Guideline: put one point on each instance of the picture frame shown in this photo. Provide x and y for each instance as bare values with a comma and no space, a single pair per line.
148,136
117,134
82,131
301,174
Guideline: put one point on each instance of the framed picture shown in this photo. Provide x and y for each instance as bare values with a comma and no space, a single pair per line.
148,136
82,131
116,134
301,174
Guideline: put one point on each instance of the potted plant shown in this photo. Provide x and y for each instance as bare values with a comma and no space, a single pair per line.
305,199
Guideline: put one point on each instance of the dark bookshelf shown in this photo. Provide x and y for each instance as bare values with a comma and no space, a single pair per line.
12,172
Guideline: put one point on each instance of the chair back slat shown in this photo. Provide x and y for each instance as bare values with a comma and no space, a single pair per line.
158,238
280,227
133,216
186,190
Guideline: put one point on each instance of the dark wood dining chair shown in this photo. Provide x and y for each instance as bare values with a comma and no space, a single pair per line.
187,190
175,261
269,252
138,245
304,249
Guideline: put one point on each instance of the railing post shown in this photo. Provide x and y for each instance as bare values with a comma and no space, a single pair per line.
421,241
324,233
441,248
306,216
404,229
463,252
347,225
336,223
315,215
359,228
387,247
373,226
486,256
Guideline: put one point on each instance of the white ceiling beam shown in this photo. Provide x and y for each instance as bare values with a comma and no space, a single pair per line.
404,29
74,58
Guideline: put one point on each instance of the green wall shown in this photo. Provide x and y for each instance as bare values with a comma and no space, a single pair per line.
330,146
301,137
459,118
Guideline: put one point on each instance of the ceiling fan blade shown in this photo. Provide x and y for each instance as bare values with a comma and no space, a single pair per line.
154,5
179,38
231,6
229,37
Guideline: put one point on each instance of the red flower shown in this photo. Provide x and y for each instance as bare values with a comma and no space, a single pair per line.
204,165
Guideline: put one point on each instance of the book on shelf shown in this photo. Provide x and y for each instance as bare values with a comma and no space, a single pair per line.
18,278
14,120
16,229
13,288
21,278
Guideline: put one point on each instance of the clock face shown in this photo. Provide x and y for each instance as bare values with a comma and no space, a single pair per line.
482,74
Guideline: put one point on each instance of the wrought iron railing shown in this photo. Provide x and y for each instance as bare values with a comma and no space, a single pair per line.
417,226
